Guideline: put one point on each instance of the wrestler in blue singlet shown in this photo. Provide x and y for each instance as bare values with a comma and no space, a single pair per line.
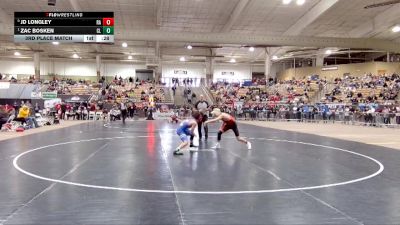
184,131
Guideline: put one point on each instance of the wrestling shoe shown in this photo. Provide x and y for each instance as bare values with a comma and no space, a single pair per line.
217,146
248,145
178,152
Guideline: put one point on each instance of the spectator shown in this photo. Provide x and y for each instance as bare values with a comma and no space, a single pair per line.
189,98
37,107
194,96
23,116
114,114
386,118
123,109
3,116
63,110
174,90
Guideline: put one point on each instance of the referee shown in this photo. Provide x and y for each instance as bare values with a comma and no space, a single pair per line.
202,106
124,111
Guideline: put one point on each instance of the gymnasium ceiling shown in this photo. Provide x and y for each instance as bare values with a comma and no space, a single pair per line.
194,20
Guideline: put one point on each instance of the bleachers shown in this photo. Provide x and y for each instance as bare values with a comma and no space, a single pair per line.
368,88
134,92
83,90
284,92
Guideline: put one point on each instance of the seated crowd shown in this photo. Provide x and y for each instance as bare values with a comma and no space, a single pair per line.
70,87
365,89
291,99
26,115
12,79
105,99
283,92
118,89
365,95
137,92
97,110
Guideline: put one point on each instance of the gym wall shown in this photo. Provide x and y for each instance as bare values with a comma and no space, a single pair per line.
69,69
357,69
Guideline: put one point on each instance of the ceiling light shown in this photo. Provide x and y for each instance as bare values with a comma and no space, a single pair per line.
328,52
232,60
55,43
17,53
75,56
300,2
275,57
286,2
124,45
130,57
396,29
189,47
182,59
251,49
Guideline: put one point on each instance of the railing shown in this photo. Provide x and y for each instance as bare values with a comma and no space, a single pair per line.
365,119
94,97
208,94
170,94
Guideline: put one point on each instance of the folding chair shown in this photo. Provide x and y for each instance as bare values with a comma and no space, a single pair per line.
92,115
99,115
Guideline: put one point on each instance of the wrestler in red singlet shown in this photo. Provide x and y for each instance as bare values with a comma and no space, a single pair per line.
229,123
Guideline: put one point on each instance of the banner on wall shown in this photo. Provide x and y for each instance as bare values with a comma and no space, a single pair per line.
49,95
330,68
248,83
232,73
314,77
75,98
52,103
224,73
36,95
182,72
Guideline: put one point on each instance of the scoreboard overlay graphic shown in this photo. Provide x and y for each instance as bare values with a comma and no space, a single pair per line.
86,27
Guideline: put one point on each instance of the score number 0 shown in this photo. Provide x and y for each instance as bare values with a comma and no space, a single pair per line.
108,25
108,21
